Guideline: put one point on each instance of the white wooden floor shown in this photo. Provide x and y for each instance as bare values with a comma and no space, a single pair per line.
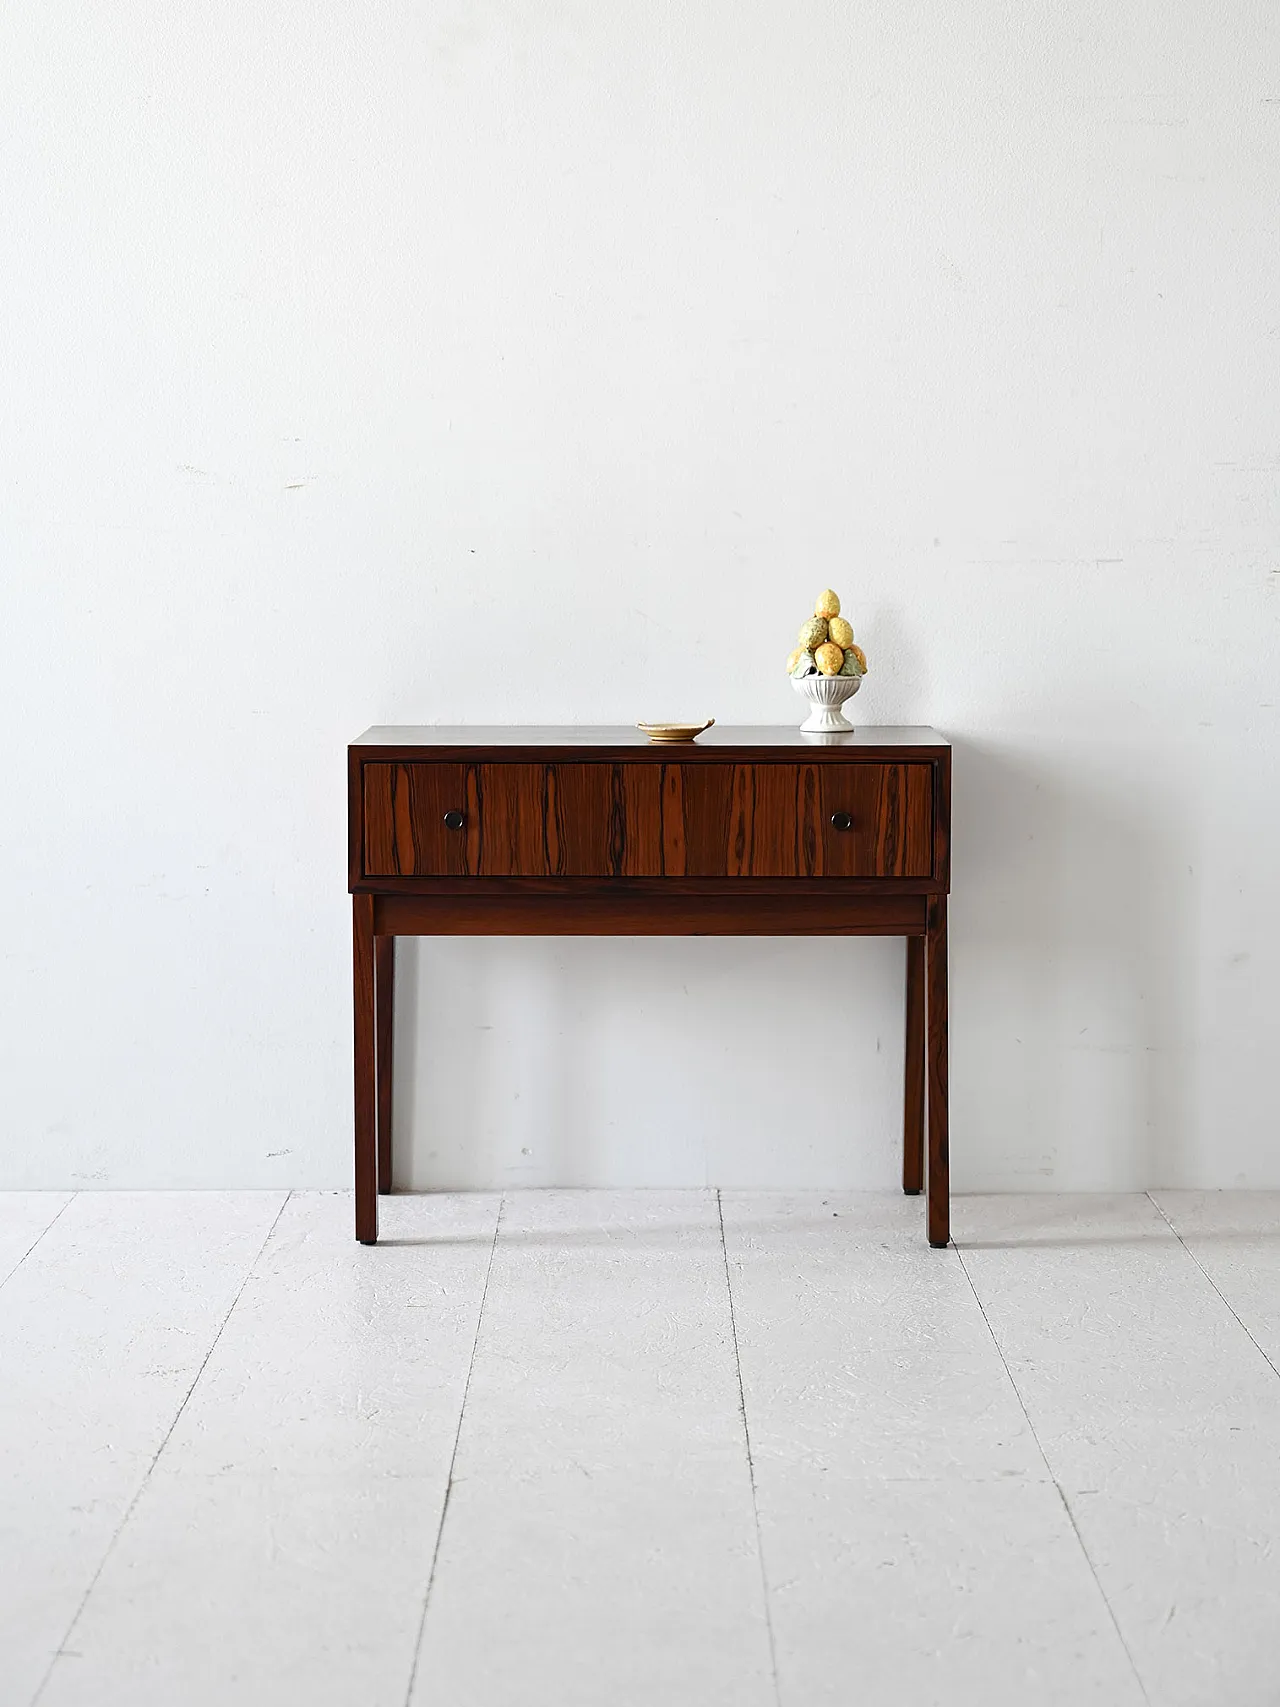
618,1448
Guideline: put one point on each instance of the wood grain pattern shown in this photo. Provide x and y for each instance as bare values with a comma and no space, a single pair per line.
810,833
892,811
626,912
404,828
355,817
674,835
366,1091
596,820
939,1184
913,1097
512,820
776,820
638,808
384,960
942,820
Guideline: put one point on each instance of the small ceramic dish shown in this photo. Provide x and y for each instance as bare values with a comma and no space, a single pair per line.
674,731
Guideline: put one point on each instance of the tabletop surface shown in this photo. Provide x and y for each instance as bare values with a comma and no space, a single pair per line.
721,739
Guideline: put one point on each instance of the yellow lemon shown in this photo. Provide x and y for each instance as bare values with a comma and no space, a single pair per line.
827,603
829,658
841,631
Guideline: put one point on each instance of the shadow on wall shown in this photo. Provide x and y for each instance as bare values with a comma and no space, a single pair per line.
1072,1020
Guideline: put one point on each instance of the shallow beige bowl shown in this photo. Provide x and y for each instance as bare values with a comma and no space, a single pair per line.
674,731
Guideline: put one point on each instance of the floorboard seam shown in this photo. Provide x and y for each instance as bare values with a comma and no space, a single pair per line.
751,1465
453,1456
1237,1318
1061,1491
150,1470
4,1281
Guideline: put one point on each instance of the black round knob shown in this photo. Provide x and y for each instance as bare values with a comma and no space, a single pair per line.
842,820
454,820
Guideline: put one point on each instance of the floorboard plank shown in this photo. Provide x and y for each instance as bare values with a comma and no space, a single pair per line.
1160,1421
25,1216
1235,1237
281,1549
915,1547
600,1542
103,1329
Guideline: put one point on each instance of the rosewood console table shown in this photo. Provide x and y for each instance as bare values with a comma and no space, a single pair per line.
600,832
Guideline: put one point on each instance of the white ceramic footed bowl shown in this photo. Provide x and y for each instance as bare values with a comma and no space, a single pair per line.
826,694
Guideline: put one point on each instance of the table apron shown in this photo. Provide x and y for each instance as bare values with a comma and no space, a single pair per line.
653,914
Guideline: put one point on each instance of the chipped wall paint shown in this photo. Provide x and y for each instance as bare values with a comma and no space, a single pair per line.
538,362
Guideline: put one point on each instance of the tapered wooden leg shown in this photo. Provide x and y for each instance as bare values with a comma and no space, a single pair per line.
385,999
913,1086
939,1200
366,1089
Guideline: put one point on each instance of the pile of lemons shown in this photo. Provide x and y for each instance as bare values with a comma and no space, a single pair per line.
826,643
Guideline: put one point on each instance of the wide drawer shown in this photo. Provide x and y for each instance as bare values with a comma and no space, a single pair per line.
596,819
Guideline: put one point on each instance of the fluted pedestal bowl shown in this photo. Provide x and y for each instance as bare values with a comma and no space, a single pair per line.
826,694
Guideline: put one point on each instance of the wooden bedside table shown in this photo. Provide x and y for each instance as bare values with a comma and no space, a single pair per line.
601,832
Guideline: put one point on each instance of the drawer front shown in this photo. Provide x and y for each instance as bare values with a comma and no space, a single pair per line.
590,819
508,820
780,820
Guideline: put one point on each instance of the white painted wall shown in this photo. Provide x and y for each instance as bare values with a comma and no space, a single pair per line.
538,360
